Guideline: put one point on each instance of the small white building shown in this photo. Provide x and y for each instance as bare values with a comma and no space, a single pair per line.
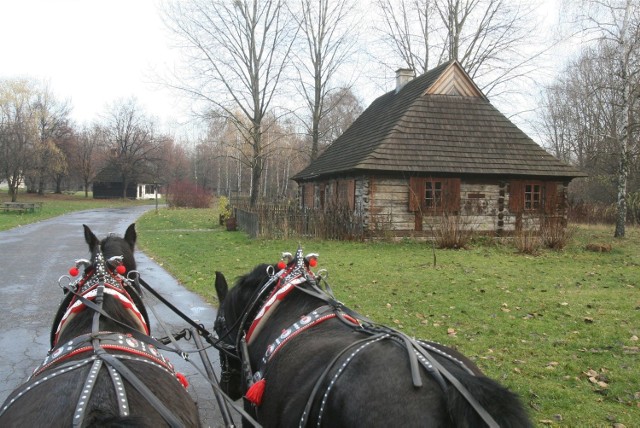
148,191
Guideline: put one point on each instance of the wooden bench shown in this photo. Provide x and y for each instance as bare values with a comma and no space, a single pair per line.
21,207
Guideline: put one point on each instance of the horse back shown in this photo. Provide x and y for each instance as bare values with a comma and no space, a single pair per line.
371,385
51,401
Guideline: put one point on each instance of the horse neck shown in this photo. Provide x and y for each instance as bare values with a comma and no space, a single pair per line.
82,323
288,311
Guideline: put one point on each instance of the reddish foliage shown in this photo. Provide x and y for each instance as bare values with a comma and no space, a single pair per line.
185,194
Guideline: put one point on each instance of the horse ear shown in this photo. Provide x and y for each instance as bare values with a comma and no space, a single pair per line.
221,286
130,235
91,239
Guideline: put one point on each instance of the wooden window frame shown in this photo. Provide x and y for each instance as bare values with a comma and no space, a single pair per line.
533,196
433,190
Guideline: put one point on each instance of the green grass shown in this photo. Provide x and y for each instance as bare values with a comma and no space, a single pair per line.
537,324
56,204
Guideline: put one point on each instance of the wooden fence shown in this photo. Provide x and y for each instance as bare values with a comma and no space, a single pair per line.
288,221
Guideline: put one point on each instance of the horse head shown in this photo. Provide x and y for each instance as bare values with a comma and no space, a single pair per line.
113,256
114,246
232,310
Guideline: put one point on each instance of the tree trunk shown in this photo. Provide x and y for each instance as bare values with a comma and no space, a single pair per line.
623,166
256,174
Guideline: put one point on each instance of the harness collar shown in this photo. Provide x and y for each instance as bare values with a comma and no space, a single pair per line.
278,287
87,287
305,322
108,340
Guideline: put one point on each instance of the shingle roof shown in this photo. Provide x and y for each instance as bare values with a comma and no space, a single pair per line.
417,133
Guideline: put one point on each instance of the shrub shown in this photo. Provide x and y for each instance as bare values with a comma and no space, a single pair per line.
224,209
554,234
527,241
185,194
453,232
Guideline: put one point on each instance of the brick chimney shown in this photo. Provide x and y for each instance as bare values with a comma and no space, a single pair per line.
403,76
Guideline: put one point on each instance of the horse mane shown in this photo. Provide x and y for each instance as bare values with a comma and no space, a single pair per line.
244,288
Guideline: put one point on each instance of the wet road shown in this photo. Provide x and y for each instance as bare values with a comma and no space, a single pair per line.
33,257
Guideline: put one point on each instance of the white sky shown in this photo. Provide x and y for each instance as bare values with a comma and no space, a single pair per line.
92,52
97,52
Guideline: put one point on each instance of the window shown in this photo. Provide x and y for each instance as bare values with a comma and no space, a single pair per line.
532,197
434,195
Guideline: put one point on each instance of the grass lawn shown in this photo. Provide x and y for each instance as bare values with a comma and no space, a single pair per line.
55,205
560,328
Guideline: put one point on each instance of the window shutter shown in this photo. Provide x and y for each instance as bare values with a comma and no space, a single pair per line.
308,195
550,197
416,193
351,194
451,195
516,196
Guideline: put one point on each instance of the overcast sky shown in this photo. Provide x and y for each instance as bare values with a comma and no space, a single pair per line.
93,52
96,52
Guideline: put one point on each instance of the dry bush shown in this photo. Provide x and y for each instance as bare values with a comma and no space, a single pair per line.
555,234
527,241
453,231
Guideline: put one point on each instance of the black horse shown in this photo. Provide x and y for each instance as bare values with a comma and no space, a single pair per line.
300,357
103,369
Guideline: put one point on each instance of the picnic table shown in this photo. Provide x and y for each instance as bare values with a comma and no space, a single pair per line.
21,206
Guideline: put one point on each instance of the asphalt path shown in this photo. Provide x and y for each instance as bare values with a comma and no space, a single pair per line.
32,259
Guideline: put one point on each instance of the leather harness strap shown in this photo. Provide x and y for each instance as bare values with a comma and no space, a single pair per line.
168,416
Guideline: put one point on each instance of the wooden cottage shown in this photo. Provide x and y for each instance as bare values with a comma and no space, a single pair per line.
436,148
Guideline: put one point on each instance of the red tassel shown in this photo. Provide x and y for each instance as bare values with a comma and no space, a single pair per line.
183,379
255,392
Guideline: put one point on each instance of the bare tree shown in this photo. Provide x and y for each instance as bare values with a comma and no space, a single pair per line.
492,39
329,38
132,142
577,120
89,154
18,131
342,109
616,23
238,51
53,127
408,30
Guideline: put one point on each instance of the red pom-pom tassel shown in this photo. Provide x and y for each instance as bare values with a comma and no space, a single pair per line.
183,379
121,269
313,262
255,392
281,265
74,271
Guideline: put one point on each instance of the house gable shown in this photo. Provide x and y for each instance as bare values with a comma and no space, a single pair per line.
454,81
